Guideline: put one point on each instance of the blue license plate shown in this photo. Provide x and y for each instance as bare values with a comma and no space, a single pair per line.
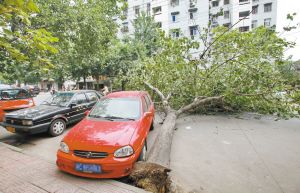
88,168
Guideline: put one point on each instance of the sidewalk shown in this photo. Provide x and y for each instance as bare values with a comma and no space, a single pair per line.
23,173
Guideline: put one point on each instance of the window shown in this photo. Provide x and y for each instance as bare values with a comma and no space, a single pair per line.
226,2
192,15
157,10
136,9
159,24
268,7
121,108
214,18
255,9
174,16
254,24
228,25
244,14
175,33
148,9
193,31
174,2
125,13
12,94
267,22
243,1
125,28
193,3
147,104
226,14
92,96
215,3
80,99
244,28
148,100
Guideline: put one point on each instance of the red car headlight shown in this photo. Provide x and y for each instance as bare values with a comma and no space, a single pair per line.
64,147
124,152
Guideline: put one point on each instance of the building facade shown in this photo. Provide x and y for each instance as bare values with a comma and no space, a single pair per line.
189,17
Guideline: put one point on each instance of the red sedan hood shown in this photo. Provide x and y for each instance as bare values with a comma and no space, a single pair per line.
100,135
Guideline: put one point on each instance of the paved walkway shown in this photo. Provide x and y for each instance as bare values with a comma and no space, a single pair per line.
23,173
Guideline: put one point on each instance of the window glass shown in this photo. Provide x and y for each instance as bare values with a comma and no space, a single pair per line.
148,100
268,7
59,99
118,108
11,94
92,96
147,105
80,98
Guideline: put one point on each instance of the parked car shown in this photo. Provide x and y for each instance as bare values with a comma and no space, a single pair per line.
54,114
32,89
14,99
36,90
110,139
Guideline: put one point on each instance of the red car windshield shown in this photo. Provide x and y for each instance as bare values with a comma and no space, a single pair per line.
117,108
11,94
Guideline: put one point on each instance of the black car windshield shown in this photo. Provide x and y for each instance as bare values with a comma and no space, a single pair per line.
117,108
11,94
59,99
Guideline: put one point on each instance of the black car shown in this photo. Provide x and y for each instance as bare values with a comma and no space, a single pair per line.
52,115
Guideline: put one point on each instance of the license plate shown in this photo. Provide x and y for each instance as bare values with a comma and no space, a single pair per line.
11,129
88,168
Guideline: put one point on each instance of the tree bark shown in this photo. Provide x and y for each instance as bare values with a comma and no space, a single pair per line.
160,154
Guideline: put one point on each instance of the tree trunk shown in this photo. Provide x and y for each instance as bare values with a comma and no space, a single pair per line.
84,82
161,153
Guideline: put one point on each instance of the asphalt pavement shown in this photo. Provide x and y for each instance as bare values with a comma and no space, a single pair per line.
228,154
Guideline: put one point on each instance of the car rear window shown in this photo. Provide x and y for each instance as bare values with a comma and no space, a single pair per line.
11,94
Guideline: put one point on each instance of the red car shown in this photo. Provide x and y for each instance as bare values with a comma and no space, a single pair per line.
110,139
12,99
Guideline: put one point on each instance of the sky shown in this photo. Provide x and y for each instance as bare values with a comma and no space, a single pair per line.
284,7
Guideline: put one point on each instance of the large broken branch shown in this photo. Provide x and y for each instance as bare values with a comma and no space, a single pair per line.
165,100
198,102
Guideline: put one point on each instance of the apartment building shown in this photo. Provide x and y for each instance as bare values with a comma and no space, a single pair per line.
189,17
256,13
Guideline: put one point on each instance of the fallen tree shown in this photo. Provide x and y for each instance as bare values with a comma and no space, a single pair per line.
235,75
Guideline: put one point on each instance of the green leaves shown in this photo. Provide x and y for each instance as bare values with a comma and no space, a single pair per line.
245,68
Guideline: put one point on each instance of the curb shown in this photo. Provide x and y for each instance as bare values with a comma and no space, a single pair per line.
11,147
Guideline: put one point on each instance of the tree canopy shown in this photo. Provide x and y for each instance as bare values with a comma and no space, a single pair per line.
248,76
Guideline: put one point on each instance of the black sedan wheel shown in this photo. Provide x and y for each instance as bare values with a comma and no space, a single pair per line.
57,127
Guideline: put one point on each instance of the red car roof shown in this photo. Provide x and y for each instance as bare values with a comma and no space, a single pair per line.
126,94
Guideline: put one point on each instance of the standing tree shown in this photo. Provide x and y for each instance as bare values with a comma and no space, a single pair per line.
85,29
21,45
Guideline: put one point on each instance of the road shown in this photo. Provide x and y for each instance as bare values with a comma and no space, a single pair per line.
225,154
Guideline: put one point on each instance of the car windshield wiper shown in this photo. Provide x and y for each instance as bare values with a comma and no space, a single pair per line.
98,116
115,117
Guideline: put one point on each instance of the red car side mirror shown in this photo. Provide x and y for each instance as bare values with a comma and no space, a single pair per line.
148,114
86,113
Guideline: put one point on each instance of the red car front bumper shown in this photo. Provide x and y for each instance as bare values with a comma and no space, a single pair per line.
111,167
